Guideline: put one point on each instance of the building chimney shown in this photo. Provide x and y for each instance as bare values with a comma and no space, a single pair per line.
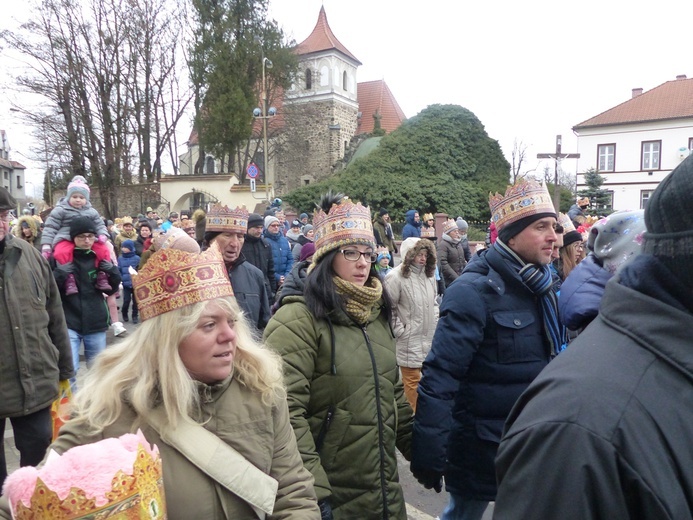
637,92
681,76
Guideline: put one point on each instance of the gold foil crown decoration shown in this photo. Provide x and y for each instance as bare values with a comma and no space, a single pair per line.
521,200
345,224
223,219
172,279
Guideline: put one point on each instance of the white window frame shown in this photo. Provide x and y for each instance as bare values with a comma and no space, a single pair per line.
651,155
644,197
604,153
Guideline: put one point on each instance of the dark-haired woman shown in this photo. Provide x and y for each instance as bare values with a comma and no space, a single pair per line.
345,395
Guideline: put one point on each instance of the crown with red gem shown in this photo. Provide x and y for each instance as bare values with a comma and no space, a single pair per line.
223,219
172,279
522,200
345,224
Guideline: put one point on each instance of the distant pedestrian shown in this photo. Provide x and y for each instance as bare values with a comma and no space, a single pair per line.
451,255
128,260
412,227
382,230
258,252
281,250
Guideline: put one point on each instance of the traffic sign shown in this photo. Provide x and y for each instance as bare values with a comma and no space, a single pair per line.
252,185
252,170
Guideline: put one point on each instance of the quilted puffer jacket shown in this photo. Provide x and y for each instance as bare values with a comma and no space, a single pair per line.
347,407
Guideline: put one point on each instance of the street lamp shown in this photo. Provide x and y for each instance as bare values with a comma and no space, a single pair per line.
265,114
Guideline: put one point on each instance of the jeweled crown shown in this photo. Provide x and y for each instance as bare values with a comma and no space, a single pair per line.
226,220
345,224
172,279
521,200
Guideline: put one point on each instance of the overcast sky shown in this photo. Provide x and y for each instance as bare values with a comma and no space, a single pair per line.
529,70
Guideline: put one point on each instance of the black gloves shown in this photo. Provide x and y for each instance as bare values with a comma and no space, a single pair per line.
430,479
325,510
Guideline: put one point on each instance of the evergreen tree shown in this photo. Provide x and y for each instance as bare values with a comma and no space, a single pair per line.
600,200
440,160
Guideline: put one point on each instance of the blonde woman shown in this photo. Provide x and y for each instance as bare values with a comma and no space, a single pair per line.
190,377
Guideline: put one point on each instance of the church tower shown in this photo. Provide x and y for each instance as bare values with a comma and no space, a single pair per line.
320,110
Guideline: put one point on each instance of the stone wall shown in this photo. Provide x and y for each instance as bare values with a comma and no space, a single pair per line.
313,142
130,200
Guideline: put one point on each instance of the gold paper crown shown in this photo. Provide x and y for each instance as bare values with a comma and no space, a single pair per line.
226,220
172,279
140,495
566,223
449,225
345,224
521,200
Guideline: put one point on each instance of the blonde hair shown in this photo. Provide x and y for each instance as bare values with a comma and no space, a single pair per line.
567,255
145,371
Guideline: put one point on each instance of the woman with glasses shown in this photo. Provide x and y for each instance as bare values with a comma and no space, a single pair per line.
345,396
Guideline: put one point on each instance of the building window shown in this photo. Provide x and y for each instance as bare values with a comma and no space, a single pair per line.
344,80
346,145
650,155
209,165
19,182
606,154
7,175
309,79
690,144
644,197
259,160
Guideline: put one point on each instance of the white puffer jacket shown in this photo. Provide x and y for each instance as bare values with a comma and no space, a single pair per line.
415,311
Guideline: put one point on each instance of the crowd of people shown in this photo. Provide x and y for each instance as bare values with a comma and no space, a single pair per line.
279,365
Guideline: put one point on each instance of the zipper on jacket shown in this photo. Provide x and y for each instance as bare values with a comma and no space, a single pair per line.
381,448
320,439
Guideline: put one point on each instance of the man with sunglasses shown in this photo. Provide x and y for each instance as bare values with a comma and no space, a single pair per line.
498,329
35,347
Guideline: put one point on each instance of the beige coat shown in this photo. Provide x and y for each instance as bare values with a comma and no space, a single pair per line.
415,311
260,433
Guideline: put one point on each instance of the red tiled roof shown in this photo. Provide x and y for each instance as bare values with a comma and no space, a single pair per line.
376,96
12,164
323,39
670,100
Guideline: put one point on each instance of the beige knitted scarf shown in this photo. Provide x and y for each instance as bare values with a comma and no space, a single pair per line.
359,299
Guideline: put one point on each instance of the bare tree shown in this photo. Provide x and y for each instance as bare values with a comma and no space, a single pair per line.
518,156
109,69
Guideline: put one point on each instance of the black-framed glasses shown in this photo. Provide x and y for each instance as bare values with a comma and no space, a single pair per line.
353,255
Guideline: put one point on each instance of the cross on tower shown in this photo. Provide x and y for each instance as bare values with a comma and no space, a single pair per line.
556,157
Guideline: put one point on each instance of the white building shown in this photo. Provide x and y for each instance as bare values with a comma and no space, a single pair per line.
11,172
636,144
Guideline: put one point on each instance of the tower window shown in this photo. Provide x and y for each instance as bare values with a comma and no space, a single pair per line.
309,79
344,80
209,165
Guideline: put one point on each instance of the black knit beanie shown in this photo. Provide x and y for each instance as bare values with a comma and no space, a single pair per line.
571,237
510,230
669,222
81,225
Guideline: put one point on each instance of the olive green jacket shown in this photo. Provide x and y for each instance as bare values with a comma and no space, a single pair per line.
347,406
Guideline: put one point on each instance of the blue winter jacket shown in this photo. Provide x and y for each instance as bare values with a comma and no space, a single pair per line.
488,346
581,293
281,254
125,261
411,228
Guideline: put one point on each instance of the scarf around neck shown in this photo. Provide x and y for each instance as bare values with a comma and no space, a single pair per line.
359,300
539,280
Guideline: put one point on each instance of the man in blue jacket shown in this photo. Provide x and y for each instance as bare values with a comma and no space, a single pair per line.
412,228
281,249
498,329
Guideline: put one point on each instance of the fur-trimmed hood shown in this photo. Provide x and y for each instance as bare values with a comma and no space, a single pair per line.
410,248
198,215
33,225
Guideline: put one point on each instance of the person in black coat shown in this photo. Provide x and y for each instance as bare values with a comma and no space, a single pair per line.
227,229
605,430
498,328
258,252
86,312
